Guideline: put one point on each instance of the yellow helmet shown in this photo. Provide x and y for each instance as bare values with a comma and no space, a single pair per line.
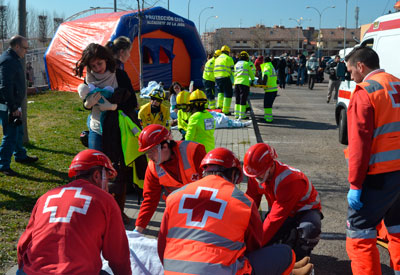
217,53
157,93
244,54
225,48
182,98
197,96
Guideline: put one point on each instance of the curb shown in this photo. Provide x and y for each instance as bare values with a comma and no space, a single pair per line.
255,124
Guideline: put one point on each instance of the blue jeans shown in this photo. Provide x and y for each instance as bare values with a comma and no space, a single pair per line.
95,141
11,143
301,73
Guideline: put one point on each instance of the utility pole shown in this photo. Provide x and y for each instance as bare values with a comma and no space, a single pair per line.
141,84
22,31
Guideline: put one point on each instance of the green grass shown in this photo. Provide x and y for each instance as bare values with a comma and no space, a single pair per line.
55,120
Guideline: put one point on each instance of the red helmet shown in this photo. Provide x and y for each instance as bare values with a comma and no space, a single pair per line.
258,159
222,157
89,158
151,136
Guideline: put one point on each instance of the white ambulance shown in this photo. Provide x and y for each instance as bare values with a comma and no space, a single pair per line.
384,37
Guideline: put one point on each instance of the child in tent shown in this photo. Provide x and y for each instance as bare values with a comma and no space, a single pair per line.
174,90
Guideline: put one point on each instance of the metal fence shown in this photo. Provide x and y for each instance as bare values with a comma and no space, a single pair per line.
35,56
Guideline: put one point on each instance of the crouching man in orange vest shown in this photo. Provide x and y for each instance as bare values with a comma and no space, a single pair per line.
295,207
172,165
374,162
211,227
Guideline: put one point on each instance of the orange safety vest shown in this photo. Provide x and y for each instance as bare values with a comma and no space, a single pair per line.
207,221
384,92
285,173
184,151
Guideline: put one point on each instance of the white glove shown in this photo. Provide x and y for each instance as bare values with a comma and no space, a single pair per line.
91,100
107,106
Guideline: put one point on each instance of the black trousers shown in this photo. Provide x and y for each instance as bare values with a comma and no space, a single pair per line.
269,99
241,93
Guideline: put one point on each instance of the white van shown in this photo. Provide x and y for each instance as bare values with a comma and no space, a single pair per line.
384,37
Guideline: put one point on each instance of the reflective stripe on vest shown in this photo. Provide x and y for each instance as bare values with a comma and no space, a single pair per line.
306,196
203,236
310,205
361,234
280,178
208,73
191,267
237,194
387,128
395,229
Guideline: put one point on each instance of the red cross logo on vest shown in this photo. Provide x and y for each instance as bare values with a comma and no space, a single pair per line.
201,205
63,205
395,94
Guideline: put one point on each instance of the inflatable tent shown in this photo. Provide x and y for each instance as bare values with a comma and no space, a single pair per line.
171,47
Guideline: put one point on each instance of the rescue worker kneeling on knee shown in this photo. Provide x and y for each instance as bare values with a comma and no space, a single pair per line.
172,165
183,106
211,227
201,124
295,207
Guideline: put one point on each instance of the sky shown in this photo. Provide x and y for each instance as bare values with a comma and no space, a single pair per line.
238,13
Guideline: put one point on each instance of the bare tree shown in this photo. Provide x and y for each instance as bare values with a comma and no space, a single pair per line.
32,26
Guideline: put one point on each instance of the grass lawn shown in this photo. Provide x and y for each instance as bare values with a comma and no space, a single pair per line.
55,120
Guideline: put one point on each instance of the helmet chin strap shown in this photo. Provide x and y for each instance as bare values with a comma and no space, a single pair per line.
159,154
104,179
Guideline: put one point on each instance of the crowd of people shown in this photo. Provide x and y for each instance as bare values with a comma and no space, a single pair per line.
132,144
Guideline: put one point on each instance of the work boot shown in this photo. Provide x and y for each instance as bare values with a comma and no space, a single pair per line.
305,270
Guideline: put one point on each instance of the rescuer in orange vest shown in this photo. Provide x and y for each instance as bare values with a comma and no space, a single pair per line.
172,165
374,162
211,227
294,216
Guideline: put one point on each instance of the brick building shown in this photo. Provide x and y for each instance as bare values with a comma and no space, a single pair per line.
278,40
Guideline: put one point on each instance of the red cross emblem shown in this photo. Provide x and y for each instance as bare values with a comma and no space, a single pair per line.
395,94
62,205
201,205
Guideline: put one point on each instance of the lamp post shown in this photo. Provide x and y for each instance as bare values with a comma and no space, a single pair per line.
345,28
299,22
205,25
319,31
188,8
95,9
200,15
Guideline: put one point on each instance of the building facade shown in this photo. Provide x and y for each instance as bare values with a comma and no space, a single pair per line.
278,40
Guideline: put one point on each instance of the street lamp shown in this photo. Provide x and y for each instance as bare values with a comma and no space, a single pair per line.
188,8
95,9
319,32
205,25
299,21
345,27
200,15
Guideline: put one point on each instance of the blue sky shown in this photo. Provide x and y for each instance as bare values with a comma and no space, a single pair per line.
236,13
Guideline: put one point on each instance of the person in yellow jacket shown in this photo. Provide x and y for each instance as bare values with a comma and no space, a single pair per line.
223,71
209,79
243,75
269,78
201,125
155,112
182,103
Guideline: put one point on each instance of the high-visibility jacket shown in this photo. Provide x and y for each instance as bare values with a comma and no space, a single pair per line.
206,229
243,73
272,81
201,127
288,192
208,73
253,67
383,90
187,169
183,119
223,66
147,118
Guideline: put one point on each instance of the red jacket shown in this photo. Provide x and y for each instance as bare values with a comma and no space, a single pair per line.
288,192
174,175
69,227
215,222
370,117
